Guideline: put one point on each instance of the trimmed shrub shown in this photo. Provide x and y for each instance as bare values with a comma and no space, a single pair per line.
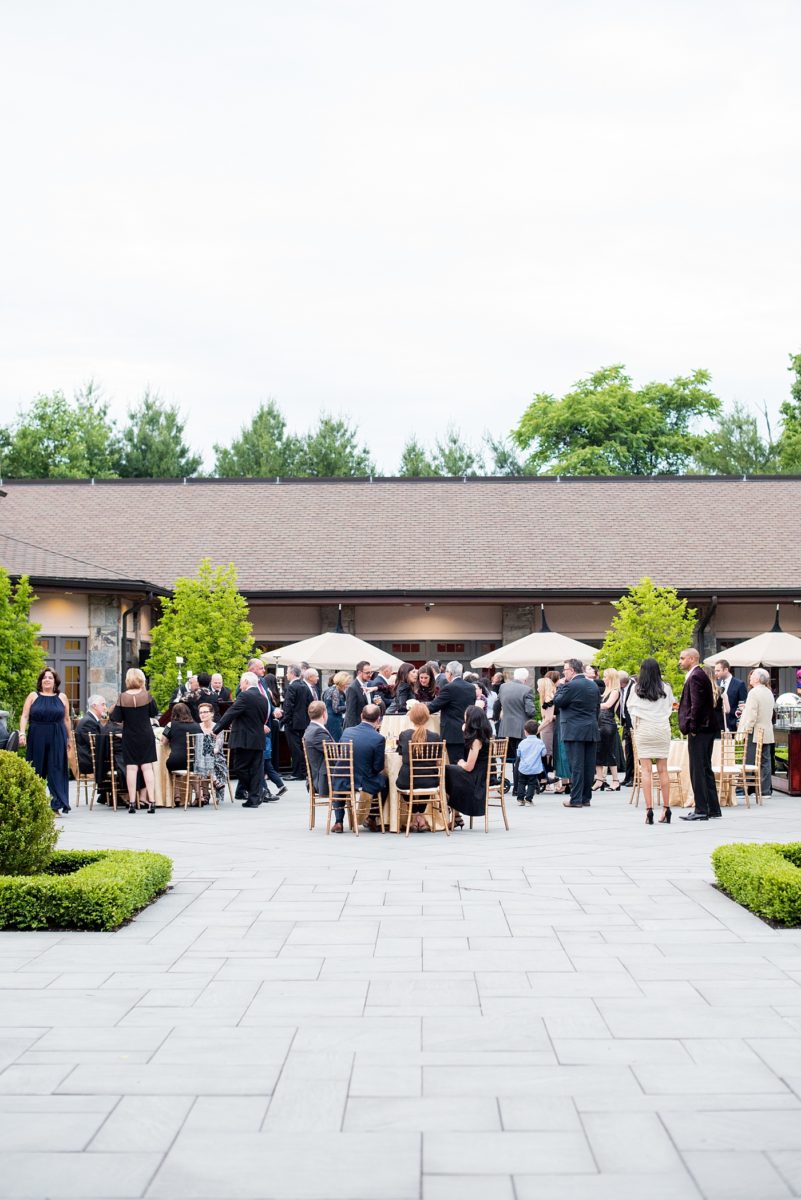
28,832
84,889
764,878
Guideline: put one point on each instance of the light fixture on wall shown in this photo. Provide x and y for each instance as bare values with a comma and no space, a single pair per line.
428,607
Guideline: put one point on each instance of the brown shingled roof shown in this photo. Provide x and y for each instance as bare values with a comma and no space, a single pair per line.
351,536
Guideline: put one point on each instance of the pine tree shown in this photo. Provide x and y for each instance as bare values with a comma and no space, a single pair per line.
206,622
651,622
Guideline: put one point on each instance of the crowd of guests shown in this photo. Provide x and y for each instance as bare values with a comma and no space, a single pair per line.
577,738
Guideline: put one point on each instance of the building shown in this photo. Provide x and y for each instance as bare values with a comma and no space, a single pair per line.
429,568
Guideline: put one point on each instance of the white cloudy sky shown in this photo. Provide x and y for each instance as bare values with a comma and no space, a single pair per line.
411,213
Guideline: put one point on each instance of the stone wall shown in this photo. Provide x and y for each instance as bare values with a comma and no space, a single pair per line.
103,649
329,614
519,620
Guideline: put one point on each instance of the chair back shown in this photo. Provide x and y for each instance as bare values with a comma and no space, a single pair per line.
309,775
498,749
339,769
426,766
90,737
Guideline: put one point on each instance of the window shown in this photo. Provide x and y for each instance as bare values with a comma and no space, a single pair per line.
405,647
46,644
450,647
72,644
71,684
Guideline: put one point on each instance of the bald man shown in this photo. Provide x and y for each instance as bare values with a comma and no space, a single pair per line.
698,721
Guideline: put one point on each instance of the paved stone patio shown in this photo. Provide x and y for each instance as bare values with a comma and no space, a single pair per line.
565,1012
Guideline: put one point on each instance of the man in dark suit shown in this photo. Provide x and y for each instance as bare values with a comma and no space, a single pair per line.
733,692
699,721
369,752
359,693
302,690
314,738
578,702
455,697
218,690
248,716
626,685
89,724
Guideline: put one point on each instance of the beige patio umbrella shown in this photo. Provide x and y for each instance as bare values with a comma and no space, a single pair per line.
330,651
773,649
543,649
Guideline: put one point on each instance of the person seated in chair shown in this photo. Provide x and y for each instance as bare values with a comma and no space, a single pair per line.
369,750
175,735
314,738
424,777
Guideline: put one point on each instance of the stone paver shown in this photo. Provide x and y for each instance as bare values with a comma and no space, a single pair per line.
568,1011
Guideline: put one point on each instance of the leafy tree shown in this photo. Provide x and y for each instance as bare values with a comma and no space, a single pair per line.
415,461
152,443
28,833
736,447
206,622
56,439
263,448
332,449
504,459
21,656
604,426
790,437
651,622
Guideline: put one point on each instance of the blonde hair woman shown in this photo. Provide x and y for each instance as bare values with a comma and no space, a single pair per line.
419,717
134,709
609,749
546,690
334,696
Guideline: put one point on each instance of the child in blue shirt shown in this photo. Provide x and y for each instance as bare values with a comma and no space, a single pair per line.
530,767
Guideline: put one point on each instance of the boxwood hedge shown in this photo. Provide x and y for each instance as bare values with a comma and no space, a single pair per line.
765,878
83,889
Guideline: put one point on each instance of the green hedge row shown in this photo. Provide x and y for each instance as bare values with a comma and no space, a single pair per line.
765,878
84,889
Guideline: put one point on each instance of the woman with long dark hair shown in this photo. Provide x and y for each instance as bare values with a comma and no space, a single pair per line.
466,781
426,688
271,683
405,684
650,704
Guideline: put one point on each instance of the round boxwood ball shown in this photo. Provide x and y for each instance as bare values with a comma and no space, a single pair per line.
28,833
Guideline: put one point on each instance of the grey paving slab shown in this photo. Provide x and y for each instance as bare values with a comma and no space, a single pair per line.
531,1014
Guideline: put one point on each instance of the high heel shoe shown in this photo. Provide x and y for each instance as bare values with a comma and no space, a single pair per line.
613,787
665,818
151,808
599,785
131,808
649,816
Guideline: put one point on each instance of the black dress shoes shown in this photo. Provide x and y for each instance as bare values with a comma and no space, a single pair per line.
694,816
251,804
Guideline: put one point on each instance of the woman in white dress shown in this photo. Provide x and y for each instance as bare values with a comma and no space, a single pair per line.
650,704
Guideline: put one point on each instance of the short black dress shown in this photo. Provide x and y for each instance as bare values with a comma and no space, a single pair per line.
467,790
608,752
133,711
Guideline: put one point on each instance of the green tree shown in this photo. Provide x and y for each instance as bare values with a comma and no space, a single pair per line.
28,833
790,436
56,439
650,622
206,622
604,426
21,656
455,457
152,443
736,447
332,449
415,461
504,457
263,448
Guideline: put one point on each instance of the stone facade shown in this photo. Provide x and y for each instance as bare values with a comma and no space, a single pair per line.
519,620
103,647
329,615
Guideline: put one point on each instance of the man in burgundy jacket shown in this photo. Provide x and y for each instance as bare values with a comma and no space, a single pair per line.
698,720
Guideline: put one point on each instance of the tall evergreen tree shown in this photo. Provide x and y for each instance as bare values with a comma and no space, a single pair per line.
152,444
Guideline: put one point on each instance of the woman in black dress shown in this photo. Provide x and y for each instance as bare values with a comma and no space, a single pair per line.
609,752
181,723
466,783
133,710
405,684
419,717
426,688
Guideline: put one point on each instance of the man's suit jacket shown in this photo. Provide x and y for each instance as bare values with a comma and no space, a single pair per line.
697,704
369,749
313,740
224,693
248,715
355,700
625,715
758,712
86,725
736,693
297,699
517,707
578,704
452,701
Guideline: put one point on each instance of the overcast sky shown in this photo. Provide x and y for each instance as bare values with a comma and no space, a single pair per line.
411,213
